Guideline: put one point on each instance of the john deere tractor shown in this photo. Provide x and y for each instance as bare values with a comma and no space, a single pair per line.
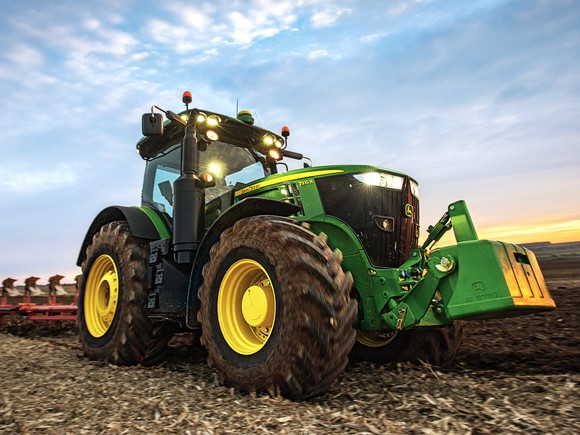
284,274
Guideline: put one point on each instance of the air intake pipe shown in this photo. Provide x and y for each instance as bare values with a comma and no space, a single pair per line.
188,201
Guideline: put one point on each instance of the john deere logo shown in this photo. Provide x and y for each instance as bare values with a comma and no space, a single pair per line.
408,210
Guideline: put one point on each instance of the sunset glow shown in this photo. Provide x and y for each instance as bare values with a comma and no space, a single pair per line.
555,232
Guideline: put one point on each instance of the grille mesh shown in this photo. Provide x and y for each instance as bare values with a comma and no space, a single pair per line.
356,203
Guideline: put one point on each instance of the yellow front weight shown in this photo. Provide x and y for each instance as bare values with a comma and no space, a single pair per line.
246,306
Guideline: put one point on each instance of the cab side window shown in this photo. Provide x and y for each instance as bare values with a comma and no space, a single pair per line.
160,174
163,188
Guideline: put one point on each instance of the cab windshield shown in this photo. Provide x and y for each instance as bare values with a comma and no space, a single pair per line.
230,165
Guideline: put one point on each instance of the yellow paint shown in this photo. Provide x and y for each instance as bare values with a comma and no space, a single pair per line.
285,179
533,302
246,307
101,296
256,304
526,283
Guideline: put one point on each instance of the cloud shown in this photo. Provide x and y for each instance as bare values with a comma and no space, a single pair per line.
70,66
92,24
369,38
139,56
29,179
316,54
24,55
207,26
399,7
224,23
328,17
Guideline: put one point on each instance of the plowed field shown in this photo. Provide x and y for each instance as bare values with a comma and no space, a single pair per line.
515,375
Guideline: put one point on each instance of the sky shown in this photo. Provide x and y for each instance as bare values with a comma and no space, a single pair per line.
477,100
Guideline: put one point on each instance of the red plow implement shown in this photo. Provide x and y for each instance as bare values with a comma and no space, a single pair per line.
34,304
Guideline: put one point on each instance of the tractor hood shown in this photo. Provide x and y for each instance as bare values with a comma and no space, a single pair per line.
371,175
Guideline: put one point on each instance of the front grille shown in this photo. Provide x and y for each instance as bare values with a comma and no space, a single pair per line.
364,208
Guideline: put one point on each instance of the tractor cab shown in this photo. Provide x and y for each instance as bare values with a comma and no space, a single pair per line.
224,154
230,166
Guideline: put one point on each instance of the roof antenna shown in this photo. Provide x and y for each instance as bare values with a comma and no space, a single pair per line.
237,110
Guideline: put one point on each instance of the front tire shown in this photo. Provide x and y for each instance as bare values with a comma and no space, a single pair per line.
276,313
112,318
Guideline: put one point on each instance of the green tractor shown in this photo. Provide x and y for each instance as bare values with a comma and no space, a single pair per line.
284,274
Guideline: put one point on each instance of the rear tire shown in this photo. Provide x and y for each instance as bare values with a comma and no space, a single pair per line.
276,312
435,345
112,318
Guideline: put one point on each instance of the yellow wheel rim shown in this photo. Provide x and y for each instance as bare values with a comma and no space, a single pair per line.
101,295
246,306
375,338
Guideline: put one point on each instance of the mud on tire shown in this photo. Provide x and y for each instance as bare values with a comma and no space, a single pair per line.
311,335
124,335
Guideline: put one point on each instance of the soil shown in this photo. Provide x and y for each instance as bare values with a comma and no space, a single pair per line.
512,375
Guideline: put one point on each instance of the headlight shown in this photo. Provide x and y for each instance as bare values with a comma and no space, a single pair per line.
274,154
214,168
211,135
380,179
213,120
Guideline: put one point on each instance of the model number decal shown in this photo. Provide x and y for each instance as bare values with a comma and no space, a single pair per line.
248,189
305,182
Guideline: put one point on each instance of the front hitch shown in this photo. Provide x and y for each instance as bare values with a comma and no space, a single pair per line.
474,279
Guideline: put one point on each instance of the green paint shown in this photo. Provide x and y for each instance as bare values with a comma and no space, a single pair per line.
157,222
461,222
420,292
490,281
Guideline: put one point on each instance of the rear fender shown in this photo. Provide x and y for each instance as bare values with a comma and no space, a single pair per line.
144,222
253,206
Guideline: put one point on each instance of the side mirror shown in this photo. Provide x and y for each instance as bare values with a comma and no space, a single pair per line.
152,124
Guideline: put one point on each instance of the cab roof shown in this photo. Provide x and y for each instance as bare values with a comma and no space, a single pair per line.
230,130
